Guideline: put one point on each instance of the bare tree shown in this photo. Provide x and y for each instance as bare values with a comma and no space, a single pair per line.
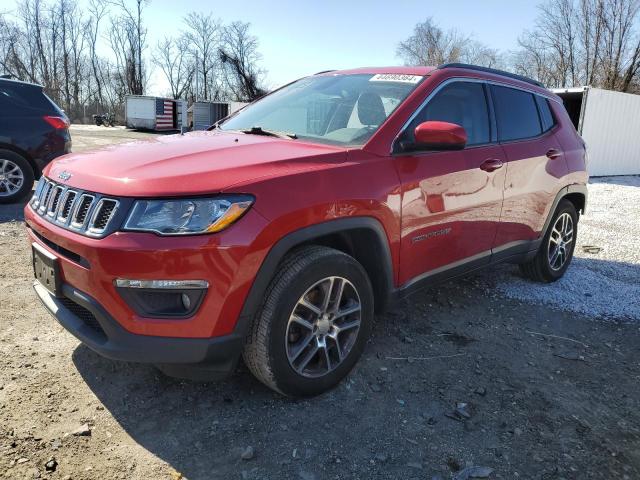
203,34
477,53
128,41
173,59
60,44
588,42
431,45
239,56
97,11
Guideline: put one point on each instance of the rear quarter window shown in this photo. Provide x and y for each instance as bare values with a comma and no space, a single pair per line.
516,113
546,117
17,98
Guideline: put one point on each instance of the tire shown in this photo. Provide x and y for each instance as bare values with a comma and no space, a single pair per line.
13,165
275,348
545,267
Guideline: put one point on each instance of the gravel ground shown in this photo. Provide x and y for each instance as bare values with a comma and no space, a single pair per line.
87,137
487,375
604,278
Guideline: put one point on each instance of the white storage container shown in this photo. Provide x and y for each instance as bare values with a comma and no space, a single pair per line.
155,113
609,123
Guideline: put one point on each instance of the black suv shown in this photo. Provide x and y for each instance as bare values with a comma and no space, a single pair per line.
33,131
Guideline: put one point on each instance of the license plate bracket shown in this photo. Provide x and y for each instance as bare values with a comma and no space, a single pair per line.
46,269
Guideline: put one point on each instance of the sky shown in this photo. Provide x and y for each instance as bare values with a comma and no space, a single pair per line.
299,38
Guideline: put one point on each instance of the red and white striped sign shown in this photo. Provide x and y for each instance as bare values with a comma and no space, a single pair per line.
164,114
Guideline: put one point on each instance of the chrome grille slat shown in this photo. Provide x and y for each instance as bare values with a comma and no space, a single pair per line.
35,200
81,212
66,205
102,214
86,213
44,200
54,201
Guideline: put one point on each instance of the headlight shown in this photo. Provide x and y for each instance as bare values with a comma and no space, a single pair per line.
187,216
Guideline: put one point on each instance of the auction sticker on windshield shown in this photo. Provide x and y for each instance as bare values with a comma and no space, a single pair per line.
395,77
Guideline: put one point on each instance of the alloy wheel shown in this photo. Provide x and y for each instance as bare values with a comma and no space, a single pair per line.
11,178
560,241
323,327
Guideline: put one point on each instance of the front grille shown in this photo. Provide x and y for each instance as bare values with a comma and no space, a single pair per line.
85,316
87,213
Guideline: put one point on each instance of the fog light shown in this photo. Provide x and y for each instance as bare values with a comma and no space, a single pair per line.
186,301
162,298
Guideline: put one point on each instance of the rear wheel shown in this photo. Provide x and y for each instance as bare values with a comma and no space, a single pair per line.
313,326
555,253
16,177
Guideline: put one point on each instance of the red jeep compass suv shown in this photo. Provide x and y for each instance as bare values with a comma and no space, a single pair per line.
278,234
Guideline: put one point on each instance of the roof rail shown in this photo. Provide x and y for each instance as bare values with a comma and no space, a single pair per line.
491,70
324,71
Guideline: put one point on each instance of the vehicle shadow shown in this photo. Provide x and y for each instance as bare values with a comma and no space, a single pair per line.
201,429
13,212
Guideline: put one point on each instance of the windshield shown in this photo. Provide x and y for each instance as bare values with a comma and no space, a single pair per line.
335,109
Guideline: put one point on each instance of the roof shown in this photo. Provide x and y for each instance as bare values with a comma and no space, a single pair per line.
425,71
493,71
374,70
11,80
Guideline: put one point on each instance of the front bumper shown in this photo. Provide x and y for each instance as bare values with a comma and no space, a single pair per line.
227,261
85,318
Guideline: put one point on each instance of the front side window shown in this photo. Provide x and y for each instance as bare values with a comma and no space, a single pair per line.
516,113
336,109
462,103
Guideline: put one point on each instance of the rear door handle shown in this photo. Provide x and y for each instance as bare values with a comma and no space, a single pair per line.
553,154
491,165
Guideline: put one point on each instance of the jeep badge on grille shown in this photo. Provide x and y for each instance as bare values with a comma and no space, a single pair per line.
64,176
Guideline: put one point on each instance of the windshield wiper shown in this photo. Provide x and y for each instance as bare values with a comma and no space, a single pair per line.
268,133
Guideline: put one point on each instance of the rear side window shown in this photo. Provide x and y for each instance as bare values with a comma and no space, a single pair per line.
462,103
516,113
20,98
545,113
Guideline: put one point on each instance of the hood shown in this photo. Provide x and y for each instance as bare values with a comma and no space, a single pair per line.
192,164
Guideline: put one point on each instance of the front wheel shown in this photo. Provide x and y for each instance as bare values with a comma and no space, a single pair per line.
314,323
555,253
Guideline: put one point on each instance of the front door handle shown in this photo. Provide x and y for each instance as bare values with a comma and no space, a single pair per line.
553,154
491,165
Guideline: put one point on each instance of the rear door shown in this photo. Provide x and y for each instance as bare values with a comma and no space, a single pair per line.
450,205
535,164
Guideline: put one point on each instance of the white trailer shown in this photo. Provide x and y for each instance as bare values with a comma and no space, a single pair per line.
155,113
609,123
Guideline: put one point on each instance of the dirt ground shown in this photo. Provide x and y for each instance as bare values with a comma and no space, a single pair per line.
459,376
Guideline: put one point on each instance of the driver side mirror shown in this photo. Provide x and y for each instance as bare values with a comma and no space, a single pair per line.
434,135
